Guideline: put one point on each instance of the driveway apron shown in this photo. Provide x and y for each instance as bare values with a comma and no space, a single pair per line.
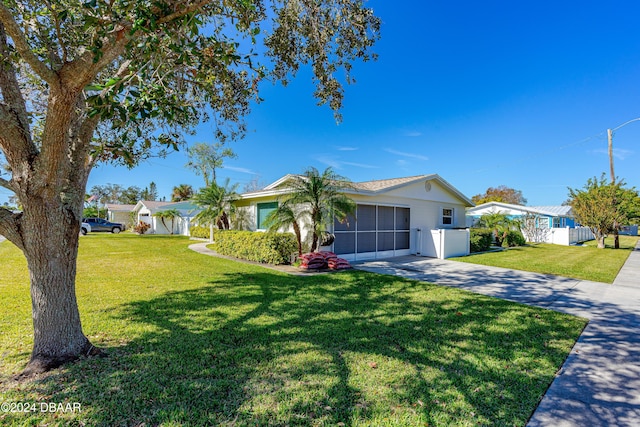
599,383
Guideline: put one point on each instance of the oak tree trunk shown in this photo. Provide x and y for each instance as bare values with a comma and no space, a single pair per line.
50,235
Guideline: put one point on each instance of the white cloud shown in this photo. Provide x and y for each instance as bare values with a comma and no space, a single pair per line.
618,153
413,134
330,161
339,164
360,165
241,170
346,148
404,154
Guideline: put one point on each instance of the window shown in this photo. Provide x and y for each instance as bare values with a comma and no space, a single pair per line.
447,216
264,209
386,241
377,228
345,243
543,222
402,240
348,225
385,218
402,218
366,241
366,217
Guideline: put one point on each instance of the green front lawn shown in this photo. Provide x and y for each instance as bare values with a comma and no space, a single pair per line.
196,340
580,262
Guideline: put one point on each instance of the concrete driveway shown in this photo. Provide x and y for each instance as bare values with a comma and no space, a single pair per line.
599,383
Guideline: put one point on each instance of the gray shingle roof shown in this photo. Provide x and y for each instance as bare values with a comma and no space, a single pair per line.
115,207
556,210
384,184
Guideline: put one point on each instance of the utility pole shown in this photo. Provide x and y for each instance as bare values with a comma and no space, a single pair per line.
610,135
613,176
616,236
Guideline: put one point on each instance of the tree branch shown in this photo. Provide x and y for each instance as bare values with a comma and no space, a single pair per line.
84,69
10,227
183,12
13,111
56,22
22,46
14,140
7,184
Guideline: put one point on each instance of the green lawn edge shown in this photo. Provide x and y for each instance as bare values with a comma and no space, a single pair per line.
584,262
194,340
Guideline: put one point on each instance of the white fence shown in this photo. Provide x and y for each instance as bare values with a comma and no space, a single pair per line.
451,243
569,236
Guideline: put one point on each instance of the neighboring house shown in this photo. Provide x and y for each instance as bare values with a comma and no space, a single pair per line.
145,210
421,215
548,216
553,224
629,230
120,213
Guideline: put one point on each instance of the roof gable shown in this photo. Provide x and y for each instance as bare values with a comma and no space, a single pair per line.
374,187
116,207
387,184
552,211
152,205
180,206
562,210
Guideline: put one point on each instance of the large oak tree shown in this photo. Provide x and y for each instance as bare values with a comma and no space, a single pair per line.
83,82
502,194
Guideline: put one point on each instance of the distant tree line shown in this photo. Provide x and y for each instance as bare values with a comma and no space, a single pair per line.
115,193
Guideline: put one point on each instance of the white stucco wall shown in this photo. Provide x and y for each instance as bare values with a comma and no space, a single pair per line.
425,204
121,217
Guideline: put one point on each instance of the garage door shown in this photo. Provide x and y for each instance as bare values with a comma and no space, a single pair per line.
377,231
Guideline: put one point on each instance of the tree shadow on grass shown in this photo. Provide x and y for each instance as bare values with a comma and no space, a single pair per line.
269,349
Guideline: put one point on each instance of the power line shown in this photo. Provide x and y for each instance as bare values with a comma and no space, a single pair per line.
600,135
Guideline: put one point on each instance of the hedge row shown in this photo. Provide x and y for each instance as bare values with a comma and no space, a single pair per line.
270,248
480,239
513,238
200,232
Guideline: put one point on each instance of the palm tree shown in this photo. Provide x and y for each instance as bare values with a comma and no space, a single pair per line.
283,217
499,223
181,193
240,219
171,214
215,201
322,198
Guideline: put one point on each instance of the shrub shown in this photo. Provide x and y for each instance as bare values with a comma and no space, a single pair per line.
200,232
513,238
480,239
141,228
270,248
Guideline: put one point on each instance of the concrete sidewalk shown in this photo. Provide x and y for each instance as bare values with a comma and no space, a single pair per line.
599,383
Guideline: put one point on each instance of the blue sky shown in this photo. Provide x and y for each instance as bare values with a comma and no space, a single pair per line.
482,93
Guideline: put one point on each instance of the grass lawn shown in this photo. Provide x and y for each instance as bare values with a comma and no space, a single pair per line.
580,262
194,340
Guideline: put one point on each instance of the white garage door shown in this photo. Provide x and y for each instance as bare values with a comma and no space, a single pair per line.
377,231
